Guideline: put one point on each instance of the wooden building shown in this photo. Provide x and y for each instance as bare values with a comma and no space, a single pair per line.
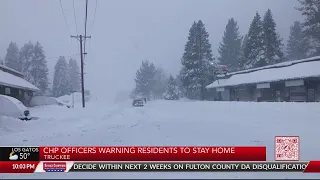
12,83
297,81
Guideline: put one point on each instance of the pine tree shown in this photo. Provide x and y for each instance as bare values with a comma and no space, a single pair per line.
12,57
254,51
145,79
74,75
37,73
243,47
230,47
161,81
61,85
297,46
180,86
26,55
195,73
172,92
311,10
272,42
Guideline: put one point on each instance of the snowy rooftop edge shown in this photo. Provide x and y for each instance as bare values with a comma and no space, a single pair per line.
10,69
282,64
8,79
290,72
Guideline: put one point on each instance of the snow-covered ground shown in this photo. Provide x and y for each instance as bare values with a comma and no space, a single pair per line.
168,123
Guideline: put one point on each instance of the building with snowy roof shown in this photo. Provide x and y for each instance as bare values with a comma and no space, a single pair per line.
12,83
297,80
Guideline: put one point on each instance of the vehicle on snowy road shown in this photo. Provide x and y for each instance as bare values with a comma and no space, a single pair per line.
139,102
12,107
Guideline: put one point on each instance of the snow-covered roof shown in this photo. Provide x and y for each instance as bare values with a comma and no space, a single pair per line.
9,69
283,64
11,80
288,70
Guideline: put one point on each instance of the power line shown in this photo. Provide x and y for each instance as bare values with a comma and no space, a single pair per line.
94,17
65,20
56,57
75,17
85,25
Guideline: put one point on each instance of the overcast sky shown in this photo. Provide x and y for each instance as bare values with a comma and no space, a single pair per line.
125,32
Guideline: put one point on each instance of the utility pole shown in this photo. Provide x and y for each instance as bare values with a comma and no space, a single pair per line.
81,38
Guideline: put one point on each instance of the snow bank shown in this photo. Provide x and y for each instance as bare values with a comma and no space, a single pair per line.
171,123
44,100
10,106
10,125
77,98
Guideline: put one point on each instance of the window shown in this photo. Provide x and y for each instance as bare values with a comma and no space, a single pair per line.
7,91
298,93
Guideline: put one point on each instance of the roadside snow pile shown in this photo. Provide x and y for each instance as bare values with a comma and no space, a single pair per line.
10,125
77,98
44,100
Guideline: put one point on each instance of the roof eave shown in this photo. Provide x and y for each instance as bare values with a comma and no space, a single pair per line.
260,82
20,87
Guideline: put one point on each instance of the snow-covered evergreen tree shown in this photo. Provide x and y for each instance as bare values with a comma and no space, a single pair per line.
74,75
180,86
61,85
272,42
37,73
298,45
172,91
26,56
230,47
195,72
1,61
145,79
254,51
11,59
161,81
243,47
311,10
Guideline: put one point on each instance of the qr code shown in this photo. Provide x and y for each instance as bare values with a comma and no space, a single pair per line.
287,148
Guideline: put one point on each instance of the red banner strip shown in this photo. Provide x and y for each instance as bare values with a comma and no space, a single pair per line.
18,167
313,167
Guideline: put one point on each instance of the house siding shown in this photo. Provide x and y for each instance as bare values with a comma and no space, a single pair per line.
278,92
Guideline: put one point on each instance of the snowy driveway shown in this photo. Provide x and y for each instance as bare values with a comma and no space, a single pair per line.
169,123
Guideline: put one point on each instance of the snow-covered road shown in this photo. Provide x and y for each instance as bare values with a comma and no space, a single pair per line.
169,123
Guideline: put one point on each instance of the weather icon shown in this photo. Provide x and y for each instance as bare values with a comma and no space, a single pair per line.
13,156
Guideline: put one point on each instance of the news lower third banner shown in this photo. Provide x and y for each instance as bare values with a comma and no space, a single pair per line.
69,166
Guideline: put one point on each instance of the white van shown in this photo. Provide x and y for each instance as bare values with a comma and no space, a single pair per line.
12,107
